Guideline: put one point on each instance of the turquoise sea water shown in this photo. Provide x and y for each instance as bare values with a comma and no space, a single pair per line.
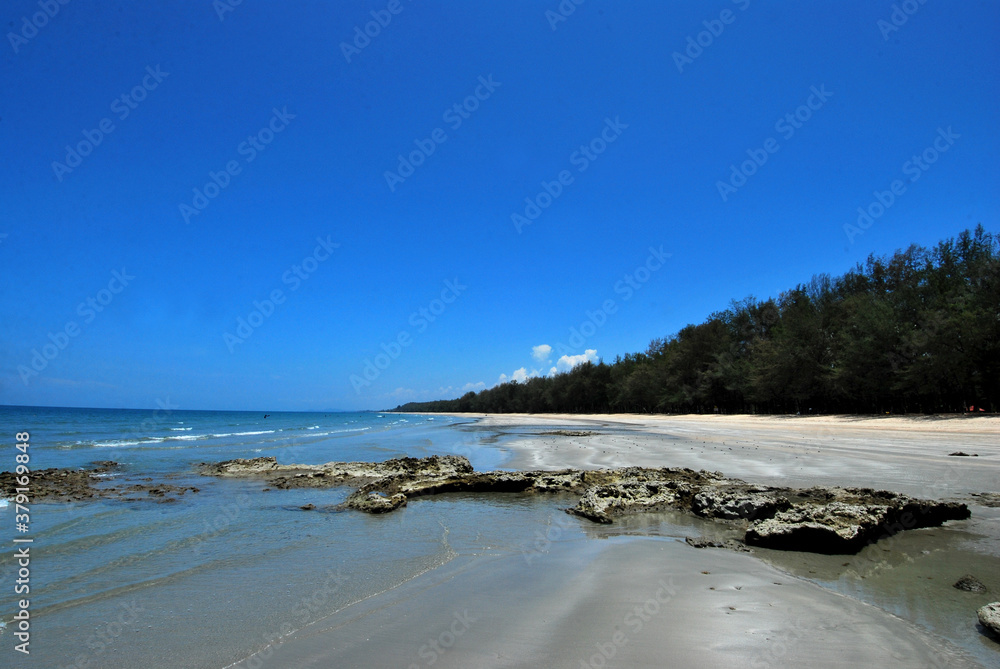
214,576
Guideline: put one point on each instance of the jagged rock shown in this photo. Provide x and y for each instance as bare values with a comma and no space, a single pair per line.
240,466
825,520
728,503
601,503
970,583
336,473
989,617
833,528
375,502
847,525
991,499
78,485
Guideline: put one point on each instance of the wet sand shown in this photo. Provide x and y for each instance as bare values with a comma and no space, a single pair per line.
571,600
619,602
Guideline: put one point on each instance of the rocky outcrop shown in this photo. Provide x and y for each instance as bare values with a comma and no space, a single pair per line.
336,473
989,617
375,502
845,520
602,503
103,480
746,502
969,583
822,520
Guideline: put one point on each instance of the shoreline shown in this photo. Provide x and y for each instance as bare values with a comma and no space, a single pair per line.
549,588
573,597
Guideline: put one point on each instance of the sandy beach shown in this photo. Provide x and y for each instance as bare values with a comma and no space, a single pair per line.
908,455
639,596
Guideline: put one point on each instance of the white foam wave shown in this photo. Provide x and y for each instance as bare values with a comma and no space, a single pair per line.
242,434
121,443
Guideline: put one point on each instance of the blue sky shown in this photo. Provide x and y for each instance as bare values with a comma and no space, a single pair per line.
121,285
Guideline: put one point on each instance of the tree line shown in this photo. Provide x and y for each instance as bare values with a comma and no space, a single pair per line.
918,331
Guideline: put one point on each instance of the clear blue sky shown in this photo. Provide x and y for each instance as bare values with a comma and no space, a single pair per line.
337,117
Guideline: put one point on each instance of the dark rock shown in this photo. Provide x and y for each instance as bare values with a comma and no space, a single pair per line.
970,583
990,499
307,507
859,517
76,485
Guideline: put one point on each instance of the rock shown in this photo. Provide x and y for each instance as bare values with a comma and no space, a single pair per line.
337,473
989,617
964,455
847,525
375,502
240,466
307,507
970,583
601,503
834,528
731,503
990,499
730,544
77,485
819,519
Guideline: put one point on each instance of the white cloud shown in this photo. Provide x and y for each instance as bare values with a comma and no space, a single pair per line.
520,375
475,387
541,352
568,362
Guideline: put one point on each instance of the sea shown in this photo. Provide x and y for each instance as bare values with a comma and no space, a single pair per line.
216,577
